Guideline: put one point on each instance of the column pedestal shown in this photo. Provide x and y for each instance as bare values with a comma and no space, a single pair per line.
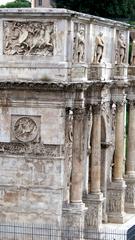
131,71
93,216
130,163
115,202
101,72
120,72
130,195
73,221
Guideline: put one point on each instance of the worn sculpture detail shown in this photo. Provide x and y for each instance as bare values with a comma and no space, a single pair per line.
121,49
130,193
99,48
114,202
28,38
25,129
132,60
91,216
79,43
31,148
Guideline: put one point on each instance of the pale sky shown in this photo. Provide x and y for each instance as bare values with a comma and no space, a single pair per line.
5,1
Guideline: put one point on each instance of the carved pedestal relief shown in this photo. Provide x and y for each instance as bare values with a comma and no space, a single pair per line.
92,216
114,202
79,43
28,38
25,128
130,193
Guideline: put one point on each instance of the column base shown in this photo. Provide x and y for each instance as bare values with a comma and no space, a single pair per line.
73,221
93,216
115,202
130,194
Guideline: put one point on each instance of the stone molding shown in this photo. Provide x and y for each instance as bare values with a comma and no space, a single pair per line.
37,149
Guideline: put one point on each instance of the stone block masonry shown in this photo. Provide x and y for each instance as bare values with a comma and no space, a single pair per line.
63,88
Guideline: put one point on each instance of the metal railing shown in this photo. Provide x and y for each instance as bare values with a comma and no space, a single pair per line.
9,231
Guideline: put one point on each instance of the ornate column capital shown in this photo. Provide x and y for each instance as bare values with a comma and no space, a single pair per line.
78,113
119,104
131,103
96,108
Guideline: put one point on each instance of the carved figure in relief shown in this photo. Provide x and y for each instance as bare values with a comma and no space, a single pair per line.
121,49
25,129
130,192
80,45
91,217
29,38
132,60
114,202
99,48
43,39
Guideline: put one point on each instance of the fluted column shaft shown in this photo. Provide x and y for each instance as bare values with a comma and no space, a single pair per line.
77,156
119,142
96,150
130,165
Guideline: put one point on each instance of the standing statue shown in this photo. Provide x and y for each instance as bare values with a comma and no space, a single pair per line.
121,49
99,48
132,60
79,46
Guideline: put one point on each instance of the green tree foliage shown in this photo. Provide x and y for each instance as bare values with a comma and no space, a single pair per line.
17,4
103,8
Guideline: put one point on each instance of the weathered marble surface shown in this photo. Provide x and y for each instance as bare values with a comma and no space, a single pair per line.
47,70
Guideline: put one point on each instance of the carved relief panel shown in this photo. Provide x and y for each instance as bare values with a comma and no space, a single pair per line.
79,43
130,193
28,38
91,217
25,128
115,201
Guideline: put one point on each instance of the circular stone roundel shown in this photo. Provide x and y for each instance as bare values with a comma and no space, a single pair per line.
25,129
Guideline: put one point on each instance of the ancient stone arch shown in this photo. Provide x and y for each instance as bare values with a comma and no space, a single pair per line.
57,107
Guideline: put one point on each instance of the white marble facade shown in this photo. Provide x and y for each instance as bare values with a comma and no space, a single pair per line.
58,115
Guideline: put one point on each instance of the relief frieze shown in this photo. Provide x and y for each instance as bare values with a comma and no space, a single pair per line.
38,149
28,38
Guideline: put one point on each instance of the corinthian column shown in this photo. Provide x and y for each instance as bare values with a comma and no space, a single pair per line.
116,190
130,163
73,213
119,143
96,150
94,200
77,156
